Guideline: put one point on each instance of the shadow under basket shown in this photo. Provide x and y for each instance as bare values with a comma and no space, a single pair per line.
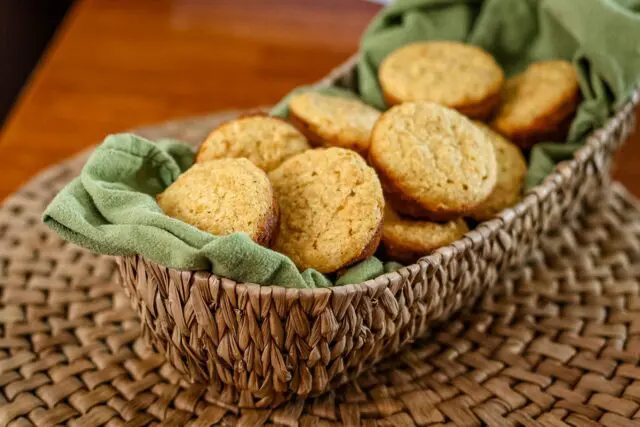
266,344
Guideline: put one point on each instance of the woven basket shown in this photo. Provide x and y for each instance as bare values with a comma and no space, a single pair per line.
266,344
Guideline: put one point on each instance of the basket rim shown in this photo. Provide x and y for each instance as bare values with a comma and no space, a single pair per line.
485,230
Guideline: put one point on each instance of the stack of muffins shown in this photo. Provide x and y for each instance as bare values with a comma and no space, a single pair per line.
338,178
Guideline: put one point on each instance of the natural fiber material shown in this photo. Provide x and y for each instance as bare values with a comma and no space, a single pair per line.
269,344
555,344
596,36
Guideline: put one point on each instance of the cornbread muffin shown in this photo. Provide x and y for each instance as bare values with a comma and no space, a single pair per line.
407,239
538,103
512,170
453,74
333,120
331,208
432,161
264,140
222,197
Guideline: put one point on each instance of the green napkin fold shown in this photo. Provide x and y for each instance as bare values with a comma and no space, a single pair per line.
600,37
111,209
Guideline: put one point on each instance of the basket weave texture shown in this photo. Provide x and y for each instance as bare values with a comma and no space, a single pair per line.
556,343
269,344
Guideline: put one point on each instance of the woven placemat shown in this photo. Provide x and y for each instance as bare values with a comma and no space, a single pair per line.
556,344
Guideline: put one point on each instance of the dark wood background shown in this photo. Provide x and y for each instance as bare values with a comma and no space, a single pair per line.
117,64
26,26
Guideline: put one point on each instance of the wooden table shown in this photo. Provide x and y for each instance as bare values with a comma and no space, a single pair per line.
117,64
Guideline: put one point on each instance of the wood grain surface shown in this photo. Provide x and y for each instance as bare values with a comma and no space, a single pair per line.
117,64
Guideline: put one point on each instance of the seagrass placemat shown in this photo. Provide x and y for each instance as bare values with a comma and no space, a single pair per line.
557,343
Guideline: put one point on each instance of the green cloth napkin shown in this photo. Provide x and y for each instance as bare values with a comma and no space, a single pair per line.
600,37
111,209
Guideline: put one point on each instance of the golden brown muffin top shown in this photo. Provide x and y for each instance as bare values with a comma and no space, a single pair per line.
541,91
512,170
434,156
333,120
406,239
222,197
331,207
265,141
449,73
